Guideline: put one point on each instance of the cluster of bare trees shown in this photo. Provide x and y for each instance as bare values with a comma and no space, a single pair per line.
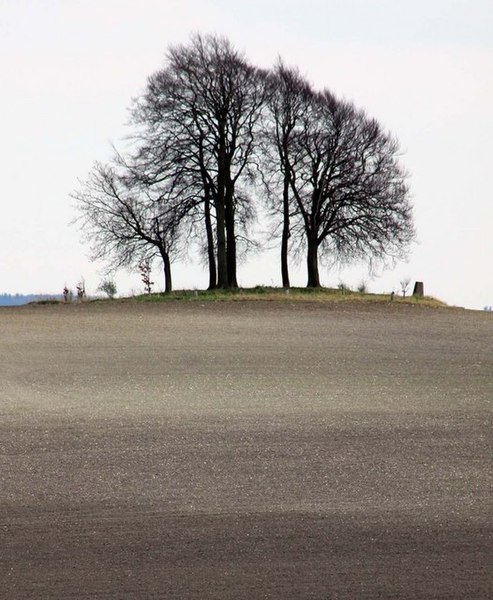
213,136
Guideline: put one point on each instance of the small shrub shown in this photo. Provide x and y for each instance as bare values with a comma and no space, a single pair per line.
405,285
145,268
363,287
344,289
46,301
108,287
81,290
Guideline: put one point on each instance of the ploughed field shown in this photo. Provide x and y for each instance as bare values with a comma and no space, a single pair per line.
245,450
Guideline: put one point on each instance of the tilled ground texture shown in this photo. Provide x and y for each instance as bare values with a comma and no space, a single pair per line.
245,450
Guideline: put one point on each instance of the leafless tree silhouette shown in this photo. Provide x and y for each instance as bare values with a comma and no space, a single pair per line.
206,128
126,224
205,104
347,191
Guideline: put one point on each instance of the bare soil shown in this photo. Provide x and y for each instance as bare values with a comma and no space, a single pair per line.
245,450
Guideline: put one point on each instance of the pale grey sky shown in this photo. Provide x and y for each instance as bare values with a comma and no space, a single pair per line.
69,68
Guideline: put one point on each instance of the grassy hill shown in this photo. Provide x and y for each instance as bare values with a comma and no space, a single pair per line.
266,294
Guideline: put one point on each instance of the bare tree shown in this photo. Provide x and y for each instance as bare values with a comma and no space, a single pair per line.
288,101
349,192
405,285
145,270
167,148
207,101
126,224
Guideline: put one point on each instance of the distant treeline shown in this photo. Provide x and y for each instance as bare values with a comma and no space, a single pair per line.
18,299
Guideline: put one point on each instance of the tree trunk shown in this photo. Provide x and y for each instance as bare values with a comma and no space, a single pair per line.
285,236
312,262
210,243
222,264
168,285
231,237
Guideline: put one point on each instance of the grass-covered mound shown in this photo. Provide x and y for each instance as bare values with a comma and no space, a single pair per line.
261,293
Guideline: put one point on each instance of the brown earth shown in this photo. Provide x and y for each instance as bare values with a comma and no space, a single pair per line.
245,450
